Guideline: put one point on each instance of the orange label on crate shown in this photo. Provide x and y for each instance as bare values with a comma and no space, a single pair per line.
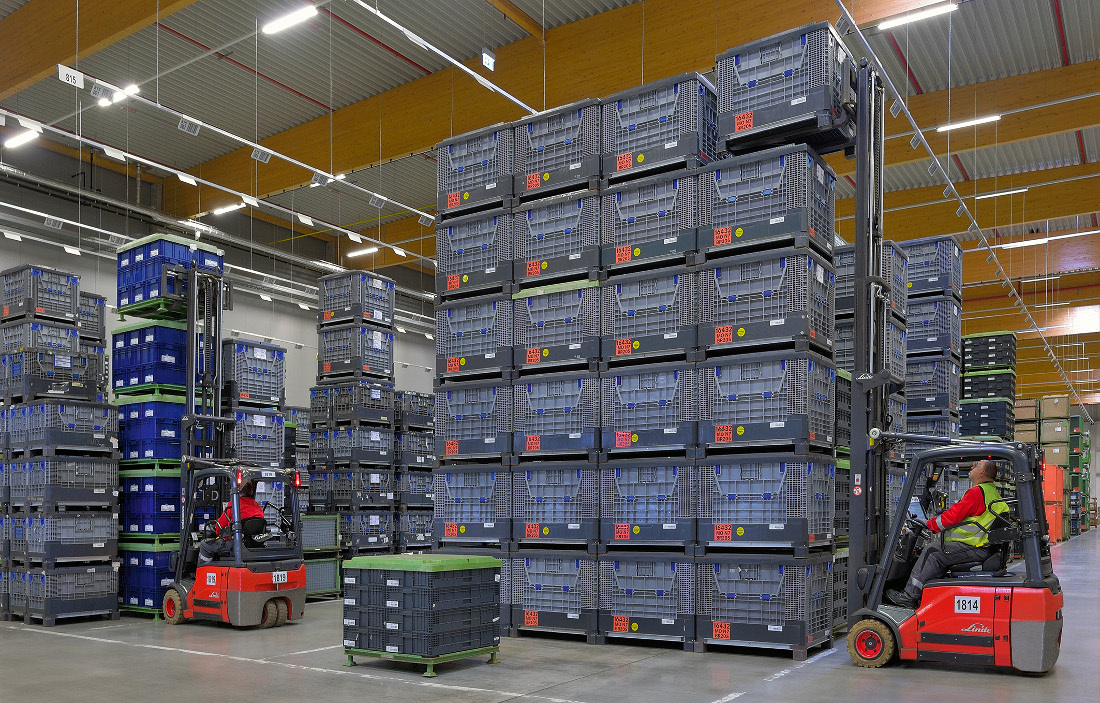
720,630
329,314
452,364
624,161
327,367
723,433
622,531
723,236
534,180
742,121
454,199
622,439
620,623
453,282
531,530
40,310
723,334
450,529
534,268
812,232
534,443
245,395
723,533
450,446
531,618
813,435
534,356
5,310
623,346
622,254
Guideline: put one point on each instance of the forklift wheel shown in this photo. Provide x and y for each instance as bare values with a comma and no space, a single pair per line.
271,615
871,643
280,604
173,607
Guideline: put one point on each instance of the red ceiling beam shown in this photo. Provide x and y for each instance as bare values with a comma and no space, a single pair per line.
1057,5
380,43
905,62
966,176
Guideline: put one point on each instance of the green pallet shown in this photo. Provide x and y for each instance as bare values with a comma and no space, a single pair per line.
159,390
155,309
429,662
144,468
843,451
141,542
155,612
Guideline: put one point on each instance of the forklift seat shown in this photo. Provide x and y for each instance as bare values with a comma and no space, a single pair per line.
254,530
996,564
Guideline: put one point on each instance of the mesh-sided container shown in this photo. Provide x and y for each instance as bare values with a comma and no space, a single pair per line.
773,398
648,502
30,374
650,313
473,336
71,591
258,436
473,419
355,296
255,372
556,502
934,325
556,591
322,576
92,316
62,480
767,501
842,497
62,424
649,220
362,444
557,325
39,335
941,425
792,86
840,588
896,413
778,197
301,419
932,383
41,292
475,169
474,253
556,413
505,586
843,435
673,120
320,407
654,407
141,264
361,401
373,487
895,481
935,266
555,238
989,417
414,488
319,448
473,504
994,383
647,596
765,599
147,352
892,350
320,532
895,269
368,529
150,505
414,529
415,449
65,536
415,409
775,297
93,357
151,426
558,149
356,349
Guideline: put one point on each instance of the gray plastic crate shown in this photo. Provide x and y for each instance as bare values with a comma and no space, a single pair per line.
94,360
556,237
475,168
840,588
474,252
556,413
473,336
71,591
934,325
414,449
935,266
779,297
301,419
65,536
895,269
358,296
63,480
556,325
651,313
320,532
893,348
843,435
784,195
322,576
415,528
556,502
31,374
354,350
792,86
416,409
366,444
255,371
34,290
39,335
361,401
91,317
654,407
472,503
54,423
373,487
767,501
651,219
653,125
842,497
896,413
647,596
555,590
558,148
368,529
414,488
774,398
473,419
648,502
258,436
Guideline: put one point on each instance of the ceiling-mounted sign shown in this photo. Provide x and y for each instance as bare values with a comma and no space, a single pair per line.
68,75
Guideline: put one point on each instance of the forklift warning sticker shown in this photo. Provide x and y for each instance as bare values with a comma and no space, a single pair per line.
857,490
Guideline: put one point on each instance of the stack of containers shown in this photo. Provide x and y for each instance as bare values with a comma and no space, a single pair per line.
988,385
1054,438
1076,449
149,381
59,466
1025,426
414,460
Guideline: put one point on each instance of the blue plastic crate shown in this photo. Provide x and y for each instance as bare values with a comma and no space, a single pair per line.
144,577
157,561
150,429
141,262
149,352
150,505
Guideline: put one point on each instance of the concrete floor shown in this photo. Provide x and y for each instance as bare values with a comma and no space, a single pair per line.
136,659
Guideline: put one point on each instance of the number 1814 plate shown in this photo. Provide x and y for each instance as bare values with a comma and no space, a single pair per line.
278,577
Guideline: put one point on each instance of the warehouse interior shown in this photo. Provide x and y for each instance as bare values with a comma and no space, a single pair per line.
570,350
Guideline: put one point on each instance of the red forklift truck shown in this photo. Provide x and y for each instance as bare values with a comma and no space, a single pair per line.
262,582
978,613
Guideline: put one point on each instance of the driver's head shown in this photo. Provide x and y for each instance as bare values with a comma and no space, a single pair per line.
248,488
982,471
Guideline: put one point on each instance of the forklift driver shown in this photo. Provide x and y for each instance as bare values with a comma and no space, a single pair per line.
221,543
965,537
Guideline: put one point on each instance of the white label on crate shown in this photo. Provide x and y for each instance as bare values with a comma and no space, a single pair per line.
259,353
573,526
574,256
118,383
393,582
153,252
388,495
488,525
62,362
574,346
99,490
419,459
148,379
775,526
573,616
820,274
491,270
393,604
259,420
776,220
168,433
167,508
134,414
392,649
492,355
670,430
776,425
123,301
349,623
391,626
99,435
349,643
375,393
671,145
134,561
125,261
820,175
968,604
372,539
139,257
574,435
377,282
375,478
148,454
378,314
574,166
148,561
349,601
149,336
775,628
668,526
670,240
798,101
933,339
166,582
490,186
668,621
930,400
490,440
98,545
374,519
375,436
777,322
148,413
420,538
1058,429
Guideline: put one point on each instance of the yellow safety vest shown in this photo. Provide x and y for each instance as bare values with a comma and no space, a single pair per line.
974,531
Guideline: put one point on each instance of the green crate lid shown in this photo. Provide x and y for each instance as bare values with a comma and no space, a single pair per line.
976,335
190,243
554,288
431,563
844,463
844,374
132,399
968,401
142,324
991,372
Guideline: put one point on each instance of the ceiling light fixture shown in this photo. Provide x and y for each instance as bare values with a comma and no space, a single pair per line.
296,17
20,139
429,335
115,154
72,250
1000,193
118,97
401,329
249,200
265,296
1046,240
305,220
361,252
131,89
968,123
228,208
104,102
13,236
400,252
303,306
341,177
917,16
355,238
1040,279
186,179
1053,305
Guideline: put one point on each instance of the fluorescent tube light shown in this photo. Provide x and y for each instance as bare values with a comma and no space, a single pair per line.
307,221
342,176
1053,305
72,250
104,102
1045,240
13,236
296,17
429,335
968,123
187,179
401,329
20,139
1040,279
228,208
1000,193
361,252
917,16
131,89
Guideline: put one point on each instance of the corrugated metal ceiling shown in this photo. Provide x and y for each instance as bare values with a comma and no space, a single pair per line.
559,12
9,6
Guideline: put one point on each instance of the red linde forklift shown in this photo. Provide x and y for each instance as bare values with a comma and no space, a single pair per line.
977,614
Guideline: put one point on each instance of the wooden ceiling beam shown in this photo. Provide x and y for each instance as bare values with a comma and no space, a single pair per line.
514,13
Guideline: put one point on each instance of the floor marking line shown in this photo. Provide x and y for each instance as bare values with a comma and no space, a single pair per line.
796,667
730,697
109,627
305,651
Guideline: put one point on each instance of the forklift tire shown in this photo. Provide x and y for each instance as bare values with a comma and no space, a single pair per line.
173,607
283,611
270,616
871,643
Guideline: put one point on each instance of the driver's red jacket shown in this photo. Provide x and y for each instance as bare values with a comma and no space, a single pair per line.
972,504
249,508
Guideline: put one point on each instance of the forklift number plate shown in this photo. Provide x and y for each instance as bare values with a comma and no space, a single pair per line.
968,604
278,577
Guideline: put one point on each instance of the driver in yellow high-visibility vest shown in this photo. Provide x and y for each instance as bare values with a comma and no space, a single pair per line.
964,525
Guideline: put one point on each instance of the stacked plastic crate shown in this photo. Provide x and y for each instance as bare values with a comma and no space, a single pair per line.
988,385
352,411
1078,450
59,466
414,461
149,380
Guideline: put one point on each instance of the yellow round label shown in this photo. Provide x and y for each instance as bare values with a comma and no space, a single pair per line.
909,284
543,264
740,531
740,429
637,251
546,352
465,278
636,344
546,176
634,437
738,232
740,331
461,528
636,529
462,361
546,530
633,627
465,196
641,158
